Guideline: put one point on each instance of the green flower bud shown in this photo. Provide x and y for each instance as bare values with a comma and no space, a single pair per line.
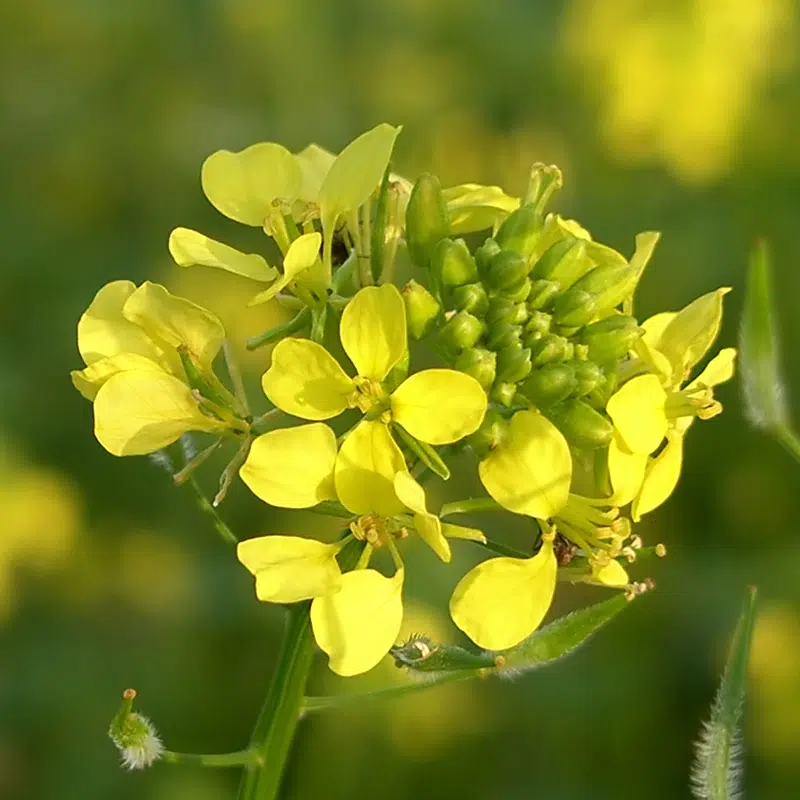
513,364
484,255
480,364
549,348
574,308
472,298
502,335
530,339
588,377
610,338
581,425
503,393
520,294
610,284
565,262
422,309
504,309
453,264
542,294
507,270
549,384
491,434
520,231
427,221
461,332
538,321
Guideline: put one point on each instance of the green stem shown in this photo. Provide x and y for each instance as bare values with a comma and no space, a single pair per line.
277,722
241,758
298,322
226,534
789,440
469,506
504,550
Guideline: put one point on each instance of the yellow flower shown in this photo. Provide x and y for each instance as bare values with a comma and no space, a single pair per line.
649,409
131,341
436,406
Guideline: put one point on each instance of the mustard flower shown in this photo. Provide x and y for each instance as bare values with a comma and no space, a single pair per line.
659,407
131,340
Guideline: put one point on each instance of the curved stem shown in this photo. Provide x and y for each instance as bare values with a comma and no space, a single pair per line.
203,503
277,722
299,321
469,506
238,759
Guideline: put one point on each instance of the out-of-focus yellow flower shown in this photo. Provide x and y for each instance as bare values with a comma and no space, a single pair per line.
136,343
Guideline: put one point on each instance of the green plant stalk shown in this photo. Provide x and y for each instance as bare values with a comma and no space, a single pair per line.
237,759
277,722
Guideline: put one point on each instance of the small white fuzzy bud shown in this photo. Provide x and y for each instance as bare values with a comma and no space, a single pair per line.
134,736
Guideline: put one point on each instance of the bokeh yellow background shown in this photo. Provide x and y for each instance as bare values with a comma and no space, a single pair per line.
675,115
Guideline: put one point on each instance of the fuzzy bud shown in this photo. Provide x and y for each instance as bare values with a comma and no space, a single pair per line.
134,735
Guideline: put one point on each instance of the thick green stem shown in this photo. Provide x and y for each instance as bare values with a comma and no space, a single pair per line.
238,759
277,722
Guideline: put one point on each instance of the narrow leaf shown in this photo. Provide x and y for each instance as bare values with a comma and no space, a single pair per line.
716,773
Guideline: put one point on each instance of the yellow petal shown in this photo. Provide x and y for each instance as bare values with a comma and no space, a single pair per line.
373,330
531,472
289,569
189,248
104,332
718,370
306,380
315,161
655,326
625,470
88,381
358,624
661,477
462,532
637,410
612,574
292,467
303,252
473,207
503,600
439,406
243,185
365,469
427,525
175,321
141,411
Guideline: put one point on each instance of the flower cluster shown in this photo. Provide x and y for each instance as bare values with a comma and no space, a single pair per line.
569,407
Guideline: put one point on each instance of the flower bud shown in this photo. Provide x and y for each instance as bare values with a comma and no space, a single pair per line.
610,338
422,309
134,735
491,434
453,264
502,335
480,364
520,231
507,270
427,221
549,348
588,377
520,293
461,332
503,393
513,363
538,321
574,308
485,253
581,425
549,384
471,298
542,293
610,284
565,262
504,309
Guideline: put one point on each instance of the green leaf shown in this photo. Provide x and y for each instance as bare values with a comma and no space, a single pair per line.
762,384
716,771
355,174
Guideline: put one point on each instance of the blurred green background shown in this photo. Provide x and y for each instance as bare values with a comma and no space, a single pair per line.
674,116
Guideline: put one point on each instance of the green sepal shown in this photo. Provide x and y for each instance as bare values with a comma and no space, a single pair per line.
453,264
427,221
507,271
420,654
575,308
549,384
611,338
542,294
485,253
521,231
492,432
346,280
423,451
582,425
513,363
200,383
564,261
520,293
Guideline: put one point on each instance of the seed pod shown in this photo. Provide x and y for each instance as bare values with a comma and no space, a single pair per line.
610,338
542,294
504,309
564,261
503,393
472,298
502,335
484,255
521,231
513,364
453,264
461,332
549,384
480,364
581,425
422,309
588,377
549,348
427,221
490,435
507,270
